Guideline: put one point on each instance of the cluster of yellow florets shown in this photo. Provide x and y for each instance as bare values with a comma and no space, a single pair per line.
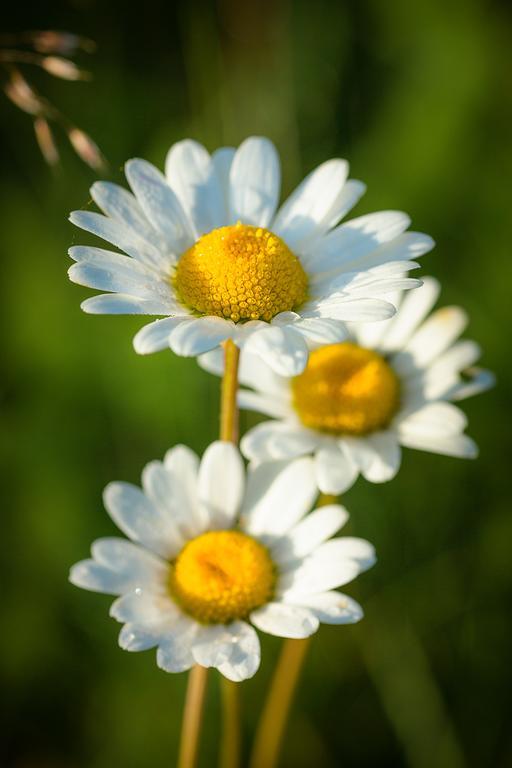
240,272
346,390
222,576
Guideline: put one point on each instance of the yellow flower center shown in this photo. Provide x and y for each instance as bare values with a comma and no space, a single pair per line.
346,390
241,273
222,576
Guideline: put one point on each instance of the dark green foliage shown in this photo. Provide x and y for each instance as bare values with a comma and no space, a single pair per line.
417,96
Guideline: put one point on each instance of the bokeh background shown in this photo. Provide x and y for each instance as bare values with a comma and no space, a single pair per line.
417,96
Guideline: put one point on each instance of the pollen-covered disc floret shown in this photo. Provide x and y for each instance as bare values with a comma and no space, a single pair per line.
241,272
222,576
346,390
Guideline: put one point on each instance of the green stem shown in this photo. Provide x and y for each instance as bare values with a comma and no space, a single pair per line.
228,404
230,744
196,688
273,721
192,717
276,711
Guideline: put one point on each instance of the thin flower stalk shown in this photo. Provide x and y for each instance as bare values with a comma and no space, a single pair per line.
194,702
276,711
230,747
269,735
192,717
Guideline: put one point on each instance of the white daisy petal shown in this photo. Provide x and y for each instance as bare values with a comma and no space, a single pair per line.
383,226
256,374
174,652
430,340
332,607
335,470
377,455
413,309
358,451
119,204
288,487
142,605
159,203
380,280
480,381
213,362
313,577
222,159
136,516
438,428
314,207
348,548
182,467
321,330
281,347
406,247
357,238
234,649
386,457
134,637
114,232
198,335
276,440
386,287
352,192
462,355
221,483
212,645
122,304
184,464
271,406
440,378
244,660
121,279
369,335
413,395
155,336
165,490
90,575
461,446
353,310
285,318
437,418
331,565
255,182
110,271
244,330
118,566
285,620
191,174
110,259
124,557
309,533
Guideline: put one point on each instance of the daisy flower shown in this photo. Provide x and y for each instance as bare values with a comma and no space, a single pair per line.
206,246
358,401
215,553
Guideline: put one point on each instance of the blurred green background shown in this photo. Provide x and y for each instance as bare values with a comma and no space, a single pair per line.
417,97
